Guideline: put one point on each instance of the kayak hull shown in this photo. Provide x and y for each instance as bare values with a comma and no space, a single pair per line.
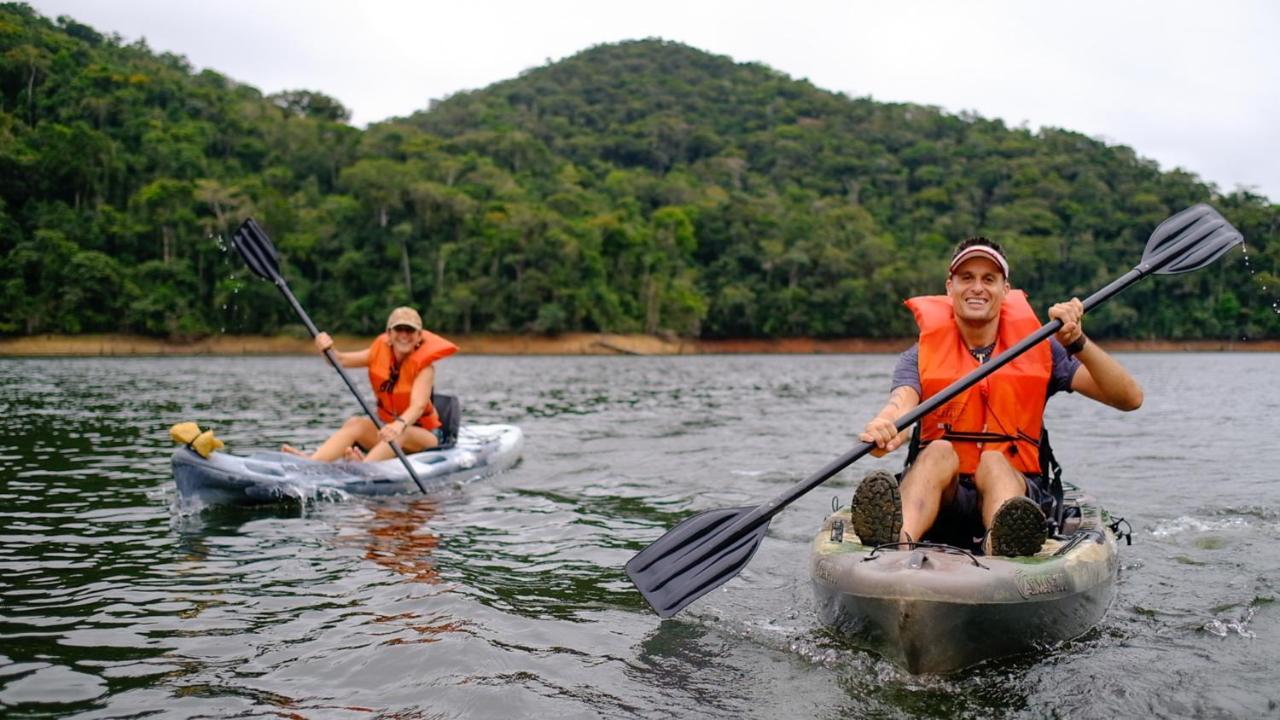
933,609
269,478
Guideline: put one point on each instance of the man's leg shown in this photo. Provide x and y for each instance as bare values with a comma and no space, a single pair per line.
1015,525
930,478
996,481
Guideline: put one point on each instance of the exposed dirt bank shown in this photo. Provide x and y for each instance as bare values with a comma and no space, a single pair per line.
566,344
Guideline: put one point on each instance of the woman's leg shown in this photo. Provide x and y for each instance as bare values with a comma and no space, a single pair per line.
414,439
356,430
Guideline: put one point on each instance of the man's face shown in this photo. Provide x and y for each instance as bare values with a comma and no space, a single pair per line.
977,288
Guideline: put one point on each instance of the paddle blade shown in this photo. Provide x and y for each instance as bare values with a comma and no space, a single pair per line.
1190,240
251,241
694,558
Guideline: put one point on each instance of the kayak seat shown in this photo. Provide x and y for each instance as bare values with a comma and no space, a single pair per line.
449,407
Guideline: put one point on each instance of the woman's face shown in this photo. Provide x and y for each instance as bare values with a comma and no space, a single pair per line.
403,338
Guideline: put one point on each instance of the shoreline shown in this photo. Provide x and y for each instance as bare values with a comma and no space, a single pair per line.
564,344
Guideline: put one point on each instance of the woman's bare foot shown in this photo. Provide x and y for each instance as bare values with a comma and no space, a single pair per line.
287,448
353,454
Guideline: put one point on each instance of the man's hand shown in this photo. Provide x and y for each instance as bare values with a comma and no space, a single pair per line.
1071,313
884,434
883,430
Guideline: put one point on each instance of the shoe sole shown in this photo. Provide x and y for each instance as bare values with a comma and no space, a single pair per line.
1018,528
877,510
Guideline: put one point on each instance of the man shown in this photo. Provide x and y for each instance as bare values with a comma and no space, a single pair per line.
977,478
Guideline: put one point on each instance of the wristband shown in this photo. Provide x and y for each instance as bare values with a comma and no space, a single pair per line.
1075,347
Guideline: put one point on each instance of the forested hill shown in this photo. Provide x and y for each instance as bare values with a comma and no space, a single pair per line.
639,187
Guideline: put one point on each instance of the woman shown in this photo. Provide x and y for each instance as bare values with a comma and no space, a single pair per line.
401,373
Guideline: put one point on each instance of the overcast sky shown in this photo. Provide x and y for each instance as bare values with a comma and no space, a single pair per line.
1188,84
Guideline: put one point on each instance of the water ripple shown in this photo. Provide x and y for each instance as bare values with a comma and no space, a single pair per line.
507,598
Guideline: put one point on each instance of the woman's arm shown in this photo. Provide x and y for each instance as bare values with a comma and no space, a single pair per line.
358,358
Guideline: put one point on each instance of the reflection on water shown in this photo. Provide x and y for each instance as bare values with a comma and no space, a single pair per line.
399,538
507,598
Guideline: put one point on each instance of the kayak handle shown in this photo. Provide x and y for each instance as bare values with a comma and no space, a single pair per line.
941,547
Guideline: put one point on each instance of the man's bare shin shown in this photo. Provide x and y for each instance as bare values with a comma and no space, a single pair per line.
997,481
923,487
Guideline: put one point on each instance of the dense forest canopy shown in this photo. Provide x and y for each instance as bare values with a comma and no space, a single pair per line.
638,187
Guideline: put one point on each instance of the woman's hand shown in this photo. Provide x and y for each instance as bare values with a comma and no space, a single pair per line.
323,341
393,430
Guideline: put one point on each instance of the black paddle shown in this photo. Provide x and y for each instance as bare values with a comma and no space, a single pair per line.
261,256
706,550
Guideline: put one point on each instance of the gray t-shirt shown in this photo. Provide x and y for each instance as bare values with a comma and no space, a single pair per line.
906,373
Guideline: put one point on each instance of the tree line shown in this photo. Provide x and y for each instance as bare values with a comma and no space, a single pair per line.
643,186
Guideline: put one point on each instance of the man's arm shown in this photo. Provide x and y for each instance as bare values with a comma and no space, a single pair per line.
1100,377
882,429
1105,380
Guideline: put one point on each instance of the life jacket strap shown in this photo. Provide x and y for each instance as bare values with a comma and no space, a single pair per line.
987,437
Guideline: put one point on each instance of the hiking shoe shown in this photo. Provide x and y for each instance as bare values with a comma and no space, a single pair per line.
1018,529
877,509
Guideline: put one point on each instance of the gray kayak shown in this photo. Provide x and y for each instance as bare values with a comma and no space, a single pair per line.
937,609
266,478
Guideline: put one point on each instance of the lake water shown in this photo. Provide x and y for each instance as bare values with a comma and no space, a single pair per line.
507,599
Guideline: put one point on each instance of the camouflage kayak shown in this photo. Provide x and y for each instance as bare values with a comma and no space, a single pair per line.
937,609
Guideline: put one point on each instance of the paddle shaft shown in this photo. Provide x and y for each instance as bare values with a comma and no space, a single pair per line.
329,355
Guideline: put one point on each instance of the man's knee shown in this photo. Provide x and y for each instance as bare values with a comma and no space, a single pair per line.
994,467
940,454
993,460
936,465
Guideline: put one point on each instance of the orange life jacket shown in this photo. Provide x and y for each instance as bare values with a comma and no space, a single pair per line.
396,401
1002,412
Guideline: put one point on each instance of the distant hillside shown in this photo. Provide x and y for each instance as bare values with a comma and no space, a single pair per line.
639,187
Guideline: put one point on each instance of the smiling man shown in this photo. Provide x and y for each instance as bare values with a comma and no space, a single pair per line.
977,477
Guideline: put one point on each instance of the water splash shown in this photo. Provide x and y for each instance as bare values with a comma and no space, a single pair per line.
1261,281
1187,524
1222,627
332,494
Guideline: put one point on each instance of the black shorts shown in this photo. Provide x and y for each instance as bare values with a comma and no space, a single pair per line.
959,522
